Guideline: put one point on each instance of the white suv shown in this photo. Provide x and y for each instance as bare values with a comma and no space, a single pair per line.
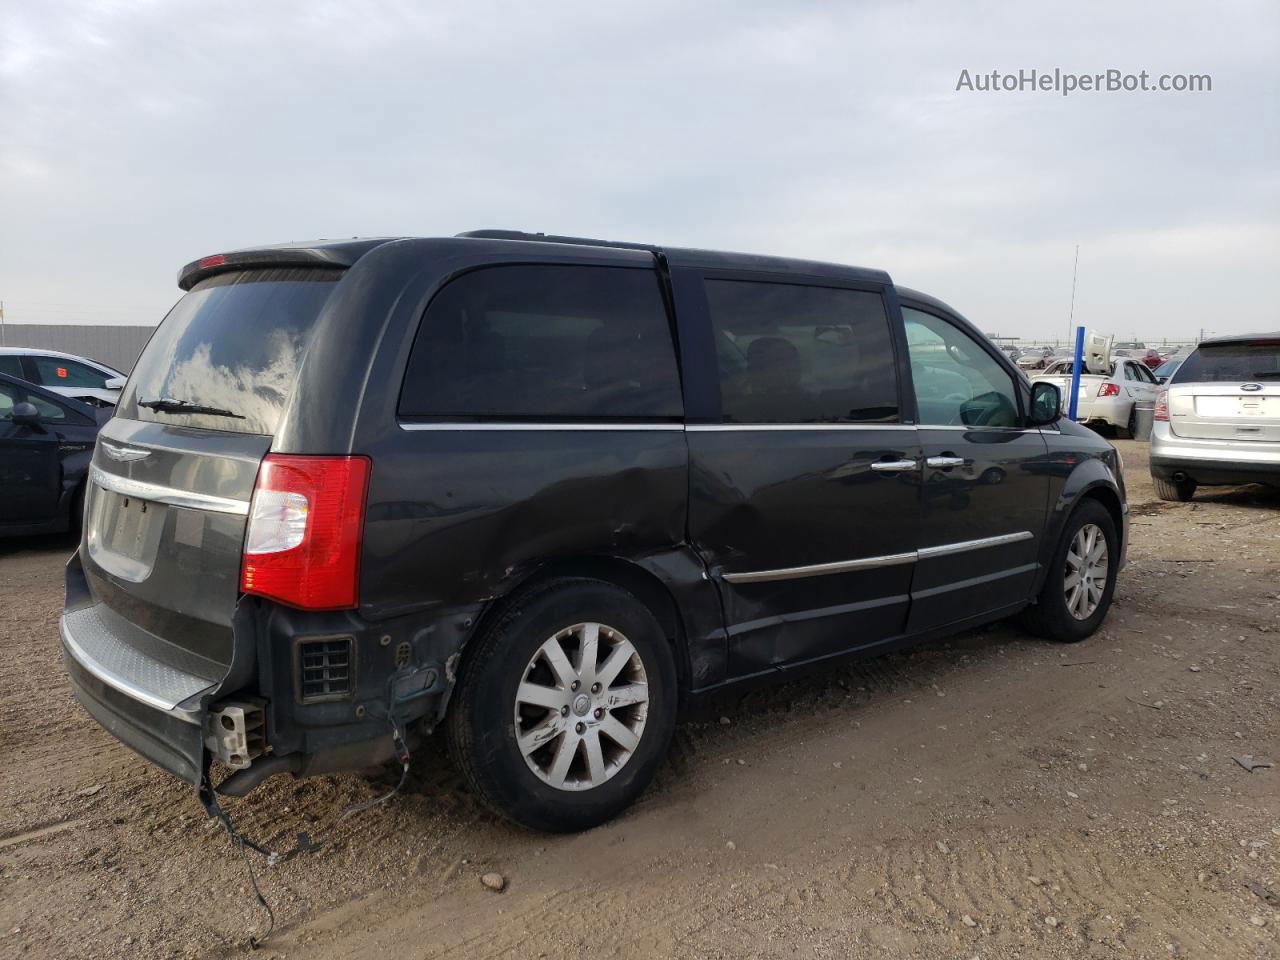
1218,420
77,377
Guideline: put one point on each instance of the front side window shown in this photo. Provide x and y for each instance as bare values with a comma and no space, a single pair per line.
545,342
799,354
64,372
11,396
956,381
11,364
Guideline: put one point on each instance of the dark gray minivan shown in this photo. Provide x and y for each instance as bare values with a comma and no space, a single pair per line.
540,491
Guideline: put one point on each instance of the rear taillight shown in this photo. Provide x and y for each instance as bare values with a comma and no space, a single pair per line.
302,544
1162,406
1109,390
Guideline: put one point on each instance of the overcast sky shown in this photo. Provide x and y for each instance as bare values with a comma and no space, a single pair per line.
139,136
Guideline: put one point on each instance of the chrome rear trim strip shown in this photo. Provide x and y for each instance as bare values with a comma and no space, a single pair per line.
158,493
966,545
821,569
870,563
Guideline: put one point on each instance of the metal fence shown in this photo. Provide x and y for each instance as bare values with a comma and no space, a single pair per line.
116,346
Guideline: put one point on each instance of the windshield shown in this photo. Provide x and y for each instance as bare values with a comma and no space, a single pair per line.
228,353
1231,363
1166,369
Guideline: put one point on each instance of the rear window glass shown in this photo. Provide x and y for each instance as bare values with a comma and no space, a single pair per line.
1231,362
545,343
233,344
799,354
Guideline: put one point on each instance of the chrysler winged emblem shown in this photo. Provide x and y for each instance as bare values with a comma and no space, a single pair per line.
124,454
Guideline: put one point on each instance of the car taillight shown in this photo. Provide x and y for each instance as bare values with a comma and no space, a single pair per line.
1109,390
302,543
1162,406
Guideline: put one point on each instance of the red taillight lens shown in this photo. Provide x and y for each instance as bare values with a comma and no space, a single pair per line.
1109,390
302,542
1162,406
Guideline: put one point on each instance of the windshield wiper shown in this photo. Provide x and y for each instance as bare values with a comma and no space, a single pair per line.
170,405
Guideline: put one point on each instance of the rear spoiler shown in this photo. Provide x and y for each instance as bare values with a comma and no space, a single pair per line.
335,254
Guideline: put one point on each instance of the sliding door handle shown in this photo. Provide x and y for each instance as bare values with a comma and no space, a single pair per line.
945,462
895,466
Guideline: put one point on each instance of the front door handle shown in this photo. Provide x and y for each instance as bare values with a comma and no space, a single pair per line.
945,463
894,466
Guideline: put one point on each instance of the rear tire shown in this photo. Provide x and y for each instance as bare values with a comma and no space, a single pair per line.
1176,490
1131,425
555,740
1060,613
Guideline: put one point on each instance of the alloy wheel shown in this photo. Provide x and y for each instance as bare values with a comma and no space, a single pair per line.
581,706
1085,576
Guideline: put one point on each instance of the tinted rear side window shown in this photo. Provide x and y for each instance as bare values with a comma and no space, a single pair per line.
545,343
799,354
1231,362
235,342
62,372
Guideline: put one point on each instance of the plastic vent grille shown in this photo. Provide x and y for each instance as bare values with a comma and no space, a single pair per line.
325,669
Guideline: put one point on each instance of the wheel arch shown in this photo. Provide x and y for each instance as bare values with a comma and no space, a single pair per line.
639,580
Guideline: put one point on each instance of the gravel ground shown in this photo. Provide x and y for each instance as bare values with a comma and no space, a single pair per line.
989,796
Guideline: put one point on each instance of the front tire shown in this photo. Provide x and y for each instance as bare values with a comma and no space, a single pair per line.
1081,580
565,706
1179,491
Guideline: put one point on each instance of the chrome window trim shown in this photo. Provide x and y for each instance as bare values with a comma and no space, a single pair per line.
159,493
871,563
964,546
821,569
513,425
973,429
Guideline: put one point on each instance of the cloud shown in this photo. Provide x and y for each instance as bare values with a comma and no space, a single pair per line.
142,135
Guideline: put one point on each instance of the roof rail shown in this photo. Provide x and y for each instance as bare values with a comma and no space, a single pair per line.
556,238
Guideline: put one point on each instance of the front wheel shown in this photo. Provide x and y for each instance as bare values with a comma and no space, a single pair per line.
1081,580
565,706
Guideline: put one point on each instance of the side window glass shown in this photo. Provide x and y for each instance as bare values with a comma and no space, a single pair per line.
956,380
798,354
8,399
1130,373
10,396
12,365
62,372
545,342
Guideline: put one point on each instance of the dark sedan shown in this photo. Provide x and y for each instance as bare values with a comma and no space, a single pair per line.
46,442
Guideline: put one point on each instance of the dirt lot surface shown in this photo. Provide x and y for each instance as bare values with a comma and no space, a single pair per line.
989,796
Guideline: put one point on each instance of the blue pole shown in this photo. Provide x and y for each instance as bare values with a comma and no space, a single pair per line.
1075,374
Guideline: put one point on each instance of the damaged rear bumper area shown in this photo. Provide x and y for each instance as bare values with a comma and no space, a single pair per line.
307,694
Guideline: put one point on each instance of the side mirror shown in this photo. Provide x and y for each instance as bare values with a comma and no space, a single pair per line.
114,383
1046,404
25,414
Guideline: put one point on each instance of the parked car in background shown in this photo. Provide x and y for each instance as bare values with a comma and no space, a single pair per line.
1218,419
1110,399
80,378
46,442
1035,358
1166,369
578,483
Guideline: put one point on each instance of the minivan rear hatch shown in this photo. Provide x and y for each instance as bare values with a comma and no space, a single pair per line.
174,471
1228,391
